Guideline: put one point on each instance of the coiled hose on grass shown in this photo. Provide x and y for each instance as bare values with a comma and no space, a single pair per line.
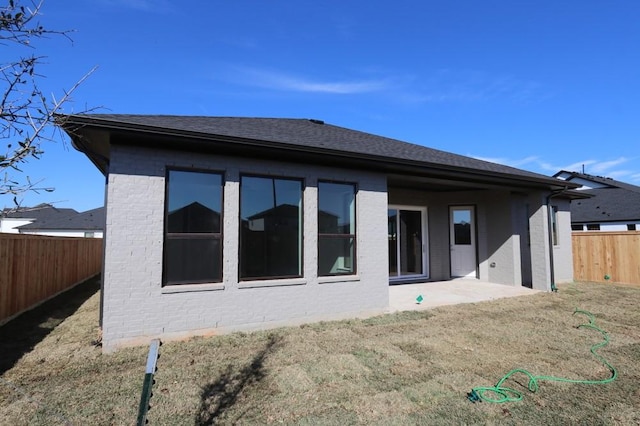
500,394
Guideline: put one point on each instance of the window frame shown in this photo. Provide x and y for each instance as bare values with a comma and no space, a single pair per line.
302,182
191,236
332,236
555,228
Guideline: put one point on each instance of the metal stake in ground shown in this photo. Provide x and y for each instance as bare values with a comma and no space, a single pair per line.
147,384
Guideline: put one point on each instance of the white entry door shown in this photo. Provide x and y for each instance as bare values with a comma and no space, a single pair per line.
463,241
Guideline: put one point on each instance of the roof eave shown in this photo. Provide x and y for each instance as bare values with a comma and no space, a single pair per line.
75,124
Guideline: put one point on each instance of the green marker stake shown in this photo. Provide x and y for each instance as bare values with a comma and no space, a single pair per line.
419,299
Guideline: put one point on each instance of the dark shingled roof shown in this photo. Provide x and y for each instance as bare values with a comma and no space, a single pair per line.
91,220
616,202
297,134
611,183
41,212
606,205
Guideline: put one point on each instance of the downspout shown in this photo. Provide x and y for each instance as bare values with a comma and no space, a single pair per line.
550,235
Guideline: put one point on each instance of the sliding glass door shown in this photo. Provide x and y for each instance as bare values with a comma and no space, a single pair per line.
407,242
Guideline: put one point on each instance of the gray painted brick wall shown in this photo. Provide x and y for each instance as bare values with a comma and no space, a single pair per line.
136,306
563,251
498,233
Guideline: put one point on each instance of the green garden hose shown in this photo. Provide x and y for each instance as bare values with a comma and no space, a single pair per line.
506,394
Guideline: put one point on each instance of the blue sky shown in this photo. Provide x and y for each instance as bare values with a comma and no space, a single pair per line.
540,85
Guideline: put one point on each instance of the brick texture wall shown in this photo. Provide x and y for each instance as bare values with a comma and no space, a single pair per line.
137,308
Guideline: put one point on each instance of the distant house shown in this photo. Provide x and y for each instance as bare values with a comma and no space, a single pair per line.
216,224
45,219
612,205
12,219
89,224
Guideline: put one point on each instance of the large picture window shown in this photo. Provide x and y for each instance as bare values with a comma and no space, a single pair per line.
336,228
270,227
193,213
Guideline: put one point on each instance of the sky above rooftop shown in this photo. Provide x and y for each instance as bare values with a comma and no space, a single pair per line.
540,85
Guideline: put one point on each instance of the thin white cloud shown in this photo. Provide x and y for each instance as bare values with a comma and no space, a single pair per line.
573,167
526,160
620,174
158,6
275,80
594,167
600,168
498,160
473,86
603,166
441,86
509,162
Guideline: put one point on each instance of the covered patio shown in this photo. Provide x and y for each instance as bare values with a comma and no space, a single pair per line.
403,297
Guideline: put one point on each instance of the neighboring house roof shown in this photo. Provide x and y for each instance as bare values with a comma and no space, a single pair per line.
607,205
599,181
289,139
91,220
610,200
41,212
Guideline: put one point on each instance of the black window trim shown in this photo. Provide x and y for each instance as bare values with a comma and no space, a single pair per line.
340,236
302,233
167,235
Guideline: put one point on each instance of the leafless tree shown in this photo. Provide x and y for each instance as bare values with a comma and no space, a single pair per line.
26,113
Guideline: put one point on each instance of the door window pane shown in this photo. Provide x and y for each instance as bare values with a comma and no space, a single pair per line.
393,242
462,227
271,227
406,243
411,242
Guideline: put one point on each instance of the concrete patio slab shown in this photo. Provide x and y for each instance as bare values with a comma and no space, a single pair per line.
402,297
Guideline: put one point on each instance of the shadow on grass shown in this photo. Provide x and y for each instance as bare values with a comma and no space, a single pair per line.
218,396
21,334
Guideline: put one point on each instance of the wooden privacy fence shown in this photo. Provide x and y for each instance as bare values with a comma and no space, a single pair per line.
34,268
606,256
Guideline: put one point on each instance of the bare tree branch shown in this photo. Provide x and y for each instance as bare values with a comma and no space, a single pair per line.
26,114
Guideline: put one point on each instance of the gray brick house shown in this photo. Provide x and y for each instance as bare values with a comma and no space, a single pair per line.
216,224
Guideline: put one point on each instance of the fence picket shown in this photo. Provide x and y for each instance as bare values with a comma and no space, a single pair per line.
606,256
34,268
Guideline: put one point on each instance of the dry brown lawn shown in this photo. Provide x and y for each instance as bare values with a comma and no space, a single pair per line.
404,368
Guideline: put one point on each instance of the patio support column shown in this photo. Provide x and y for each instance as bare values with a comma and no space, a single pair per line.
540,264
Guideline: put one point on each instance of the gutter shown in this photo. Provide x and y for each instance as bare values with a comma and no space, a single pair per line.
550,234
63,121
398,165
